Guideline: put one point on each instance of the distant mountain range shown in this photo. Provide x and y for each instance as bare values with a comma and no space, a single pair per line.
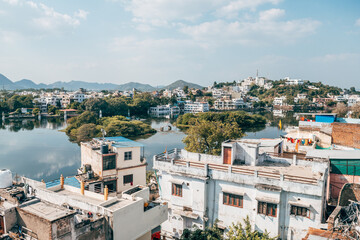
7,84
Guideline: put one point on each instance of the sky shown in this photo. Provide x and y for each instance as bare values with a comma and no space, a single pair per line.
199,41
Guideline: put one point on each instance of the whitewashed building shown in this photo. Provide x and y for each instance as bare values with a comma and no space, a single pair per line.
130,216
283,195
291,81
353,99
115,162
196,107
227,104
279,101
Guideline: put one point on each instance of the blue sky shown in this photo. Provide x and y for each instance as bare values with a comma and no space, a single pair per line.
200,41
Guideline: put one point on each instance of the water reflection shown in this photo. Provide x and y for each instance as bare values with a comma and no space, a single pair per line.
37,149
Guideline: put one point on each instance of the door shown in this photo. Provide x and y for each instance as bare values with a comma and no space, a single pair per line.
227,155
2,230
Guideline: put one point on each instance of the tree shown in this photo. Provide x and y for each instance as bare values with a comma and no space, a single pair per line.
239,232
36,111
186,89
86,132
96,104
206,137
52,109
341,109
355,111
210,233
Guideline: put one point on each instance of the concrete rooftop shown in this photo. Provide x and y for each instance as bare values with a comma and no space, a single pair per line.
46,211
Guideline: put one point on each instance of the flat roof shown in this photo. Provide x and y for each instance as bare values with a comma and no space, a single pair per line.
119,142
119,203
71,181
46,210
334,154
78,196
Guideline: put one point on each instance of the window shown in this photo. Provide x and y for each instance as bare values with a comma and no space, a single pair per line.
128,155
176,190
300,211
268,209
232,200
97,188
109,162
128,179
111,185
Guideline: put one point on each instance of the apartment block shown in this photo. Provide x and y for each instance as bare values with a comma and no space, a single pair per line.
282,193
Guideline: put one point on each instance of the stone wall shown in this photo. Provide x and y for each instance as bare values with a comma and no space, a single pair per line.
346,134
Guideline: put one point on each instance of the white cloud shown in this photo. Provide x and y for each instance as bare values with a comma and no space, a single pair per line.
47,18
271,15
81,14
264,29
12,2
9,37
357,23
161,12
233,7
32,4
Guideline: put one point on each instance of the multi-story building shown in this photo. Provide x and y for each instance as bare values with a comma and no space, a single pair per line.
36,210
353,99
196,107
218,92
279,101
300,96
115,162
223,104
290,81
284,195
161,110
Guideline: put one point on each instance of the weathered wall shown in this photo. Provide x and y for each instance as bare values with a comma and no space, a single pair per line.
346,134
39,226
337,181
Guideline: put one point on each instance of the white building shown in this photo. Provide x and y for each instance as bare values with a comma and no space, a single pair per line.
82,214
196,107
279,101
290,81
226,104
218,92
300,96
161,110
116,162
284,196
353,99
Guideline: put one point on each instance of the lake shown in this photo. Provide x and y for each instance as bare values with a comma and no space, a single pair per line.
39,150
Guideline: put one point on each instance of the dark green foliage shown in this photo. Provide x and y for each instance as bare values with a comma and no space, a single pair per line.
243,119
87,125
211,233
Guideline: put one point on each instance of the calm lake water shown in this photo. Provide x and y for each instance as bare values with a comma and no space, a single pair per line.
40,151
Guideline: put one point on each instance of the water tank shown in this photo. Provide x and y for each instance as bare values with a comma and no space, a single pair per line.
104,149
5,178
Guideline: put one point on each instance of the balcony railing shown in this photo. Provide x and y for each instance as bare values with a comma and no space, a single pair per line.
174,159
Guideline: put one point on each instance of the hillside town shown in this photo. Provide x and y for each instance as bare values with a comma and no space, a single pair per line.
300,185
251,93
